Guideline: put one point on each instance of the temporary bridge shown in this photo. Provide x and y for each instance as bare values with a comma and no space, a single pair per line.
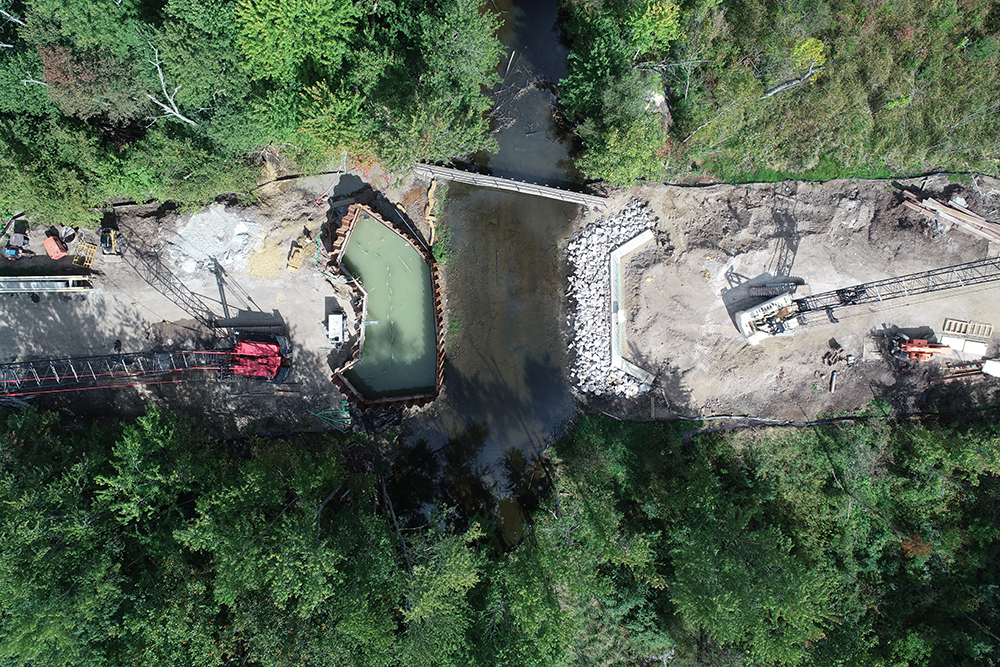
451,174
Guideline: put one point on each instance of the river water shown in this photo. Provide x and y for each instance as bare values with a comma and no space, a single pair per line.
505,383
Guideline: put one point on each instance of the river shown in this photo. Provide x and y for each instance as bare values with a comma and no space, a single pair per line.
505,388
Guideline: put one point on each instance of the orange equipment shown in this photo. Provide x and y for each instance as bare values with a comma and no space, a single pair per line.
55,247
922,350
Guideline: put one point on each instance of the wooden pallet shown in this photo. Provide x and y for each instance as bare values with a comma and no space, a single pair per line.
968,329
85,254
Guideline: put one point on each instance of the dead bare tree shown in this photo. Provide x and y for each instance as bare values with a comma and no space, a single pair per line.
170,107
11,17
794,82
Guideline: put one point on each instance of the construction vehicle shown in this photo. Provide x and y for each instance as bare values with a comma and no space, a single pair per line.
109,242
782,314
916,349
252,356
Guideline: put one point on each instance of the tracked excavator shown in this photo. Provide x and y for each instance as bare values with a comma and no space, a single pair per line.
781,315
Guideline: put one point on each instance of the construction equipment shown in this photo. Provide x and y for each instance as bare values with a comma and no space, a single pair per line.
16,247
777,317
782,314
109,242
150,267
55,247
252,356
916,349
336,328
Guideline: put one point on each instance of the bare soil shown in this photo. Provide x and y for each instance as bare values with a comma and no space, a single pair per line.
682,293
252,245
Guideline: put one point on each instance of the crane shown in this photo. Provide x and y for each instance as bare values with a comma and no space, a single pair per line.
782,314
252,356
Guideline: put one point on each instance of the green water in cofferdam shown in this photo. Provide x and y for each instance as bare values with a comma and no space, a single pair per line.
399,357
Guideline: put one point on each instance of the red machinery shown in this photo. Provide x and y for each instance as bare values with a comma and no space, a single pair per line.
259,358
54,247
253,356
917,349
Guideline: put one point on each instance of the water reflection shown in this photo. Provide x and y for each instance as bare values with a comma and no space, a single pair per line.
451,476
505,388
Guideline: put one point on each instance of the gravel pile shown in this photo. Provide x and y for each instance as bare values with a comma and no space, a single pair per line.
590,296
226,236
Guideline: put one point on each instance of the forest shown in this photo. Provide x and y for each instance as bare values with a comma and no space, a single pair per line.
125,100
763,90
122,100
869,541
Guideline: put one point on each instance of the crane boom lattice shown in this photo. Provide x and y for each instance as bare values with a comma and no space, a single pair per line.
961,275
150,268
30,377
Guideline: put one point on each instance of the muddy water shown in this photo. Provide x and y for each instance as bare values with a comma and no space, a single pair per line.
505,384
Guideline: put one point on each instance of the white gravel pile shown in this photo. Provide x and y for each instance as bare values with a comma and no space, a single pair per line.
590,288
216,233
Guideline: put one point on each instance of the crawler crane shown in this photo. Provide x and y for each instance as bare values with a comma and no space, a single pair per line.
782,314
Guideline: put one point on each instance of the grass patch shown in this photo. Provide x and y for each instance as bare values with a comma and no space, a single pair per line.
441,250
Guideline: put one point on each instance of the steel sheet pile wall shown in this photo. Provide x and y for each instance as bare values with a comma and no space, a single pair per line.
339,243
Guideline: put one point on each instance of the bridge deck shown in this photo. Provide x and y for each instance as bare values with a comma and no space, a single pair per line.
480,180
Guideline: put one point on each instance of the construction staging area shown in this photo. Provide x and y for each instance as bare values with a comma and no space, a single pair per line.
836,250
787,301
189,301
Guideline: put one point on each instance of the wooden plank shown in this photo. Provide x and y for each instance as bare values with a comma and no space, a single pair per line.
949,220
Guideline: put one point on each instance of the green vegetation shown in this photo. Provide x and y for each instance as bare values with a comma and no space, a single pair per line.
765,90
865,543
105,100
441,250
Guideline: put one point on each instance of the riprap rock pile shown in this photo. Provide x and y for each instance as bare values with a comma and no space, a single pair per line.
589,253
